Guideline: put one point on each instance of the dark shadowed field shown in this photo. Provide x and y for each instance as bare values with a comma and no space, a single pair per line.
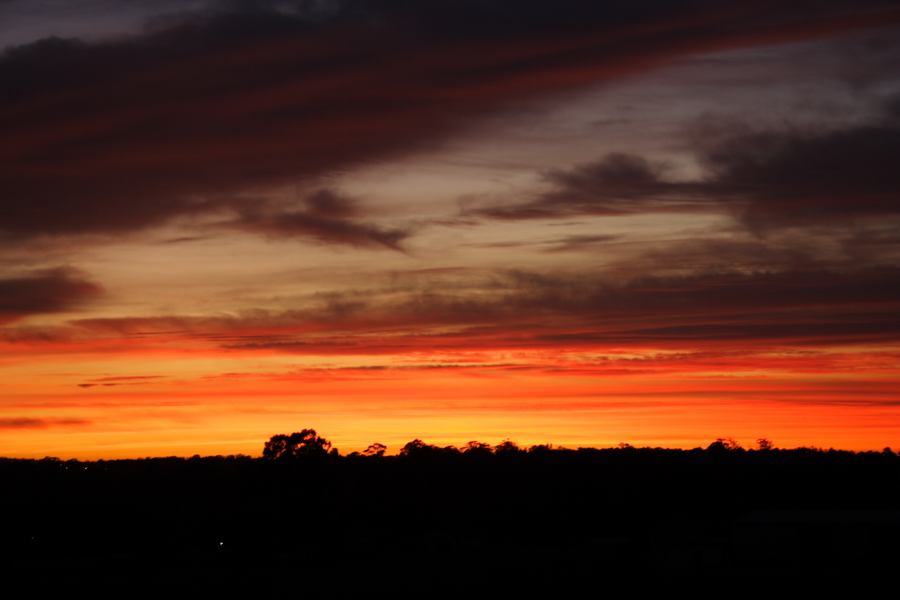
440,520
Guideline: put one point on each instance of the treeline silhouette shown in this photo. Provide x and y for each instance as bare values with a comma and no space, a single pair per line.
307,444
477,517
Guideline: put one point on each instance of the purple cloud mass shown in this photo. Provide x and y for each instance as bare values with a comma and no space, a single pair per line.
127,133
44,291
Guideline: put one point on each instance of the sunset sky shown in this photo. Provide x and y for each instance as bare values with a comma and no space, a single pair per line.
569,222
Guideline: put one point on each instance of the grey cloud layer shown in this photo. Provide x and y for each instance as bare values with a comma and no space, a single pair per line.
119,135
769,179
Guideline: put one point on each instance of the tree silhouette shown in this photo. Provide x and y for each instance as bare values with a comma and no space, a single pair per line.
724,444
375,449
417,448
507,448
475,448
540,449
301,444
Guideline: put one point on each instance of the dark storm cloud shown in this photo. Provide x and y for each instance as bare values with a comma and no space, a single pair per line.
801,178
118,135
335,231
326,217
619,184
47,291
769,179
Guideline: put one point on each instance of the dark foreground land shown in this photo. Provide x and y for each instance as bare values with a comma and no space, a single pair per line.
438,522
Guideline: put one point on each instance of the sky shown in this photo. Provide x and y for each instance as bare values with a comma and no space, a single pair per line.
571,222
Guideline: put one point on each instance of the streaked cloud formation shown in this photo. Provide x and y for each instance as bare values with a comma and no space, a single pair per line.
660,221
118,135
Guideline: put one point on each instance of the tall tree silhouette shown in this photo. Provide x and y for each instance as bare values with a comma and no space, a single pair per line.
376,449
507,448
765,444
724,444
417,448
301,444
475,448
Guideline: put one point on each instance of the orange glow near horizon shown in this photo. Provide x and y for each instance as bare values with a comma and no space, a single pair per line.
571,400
